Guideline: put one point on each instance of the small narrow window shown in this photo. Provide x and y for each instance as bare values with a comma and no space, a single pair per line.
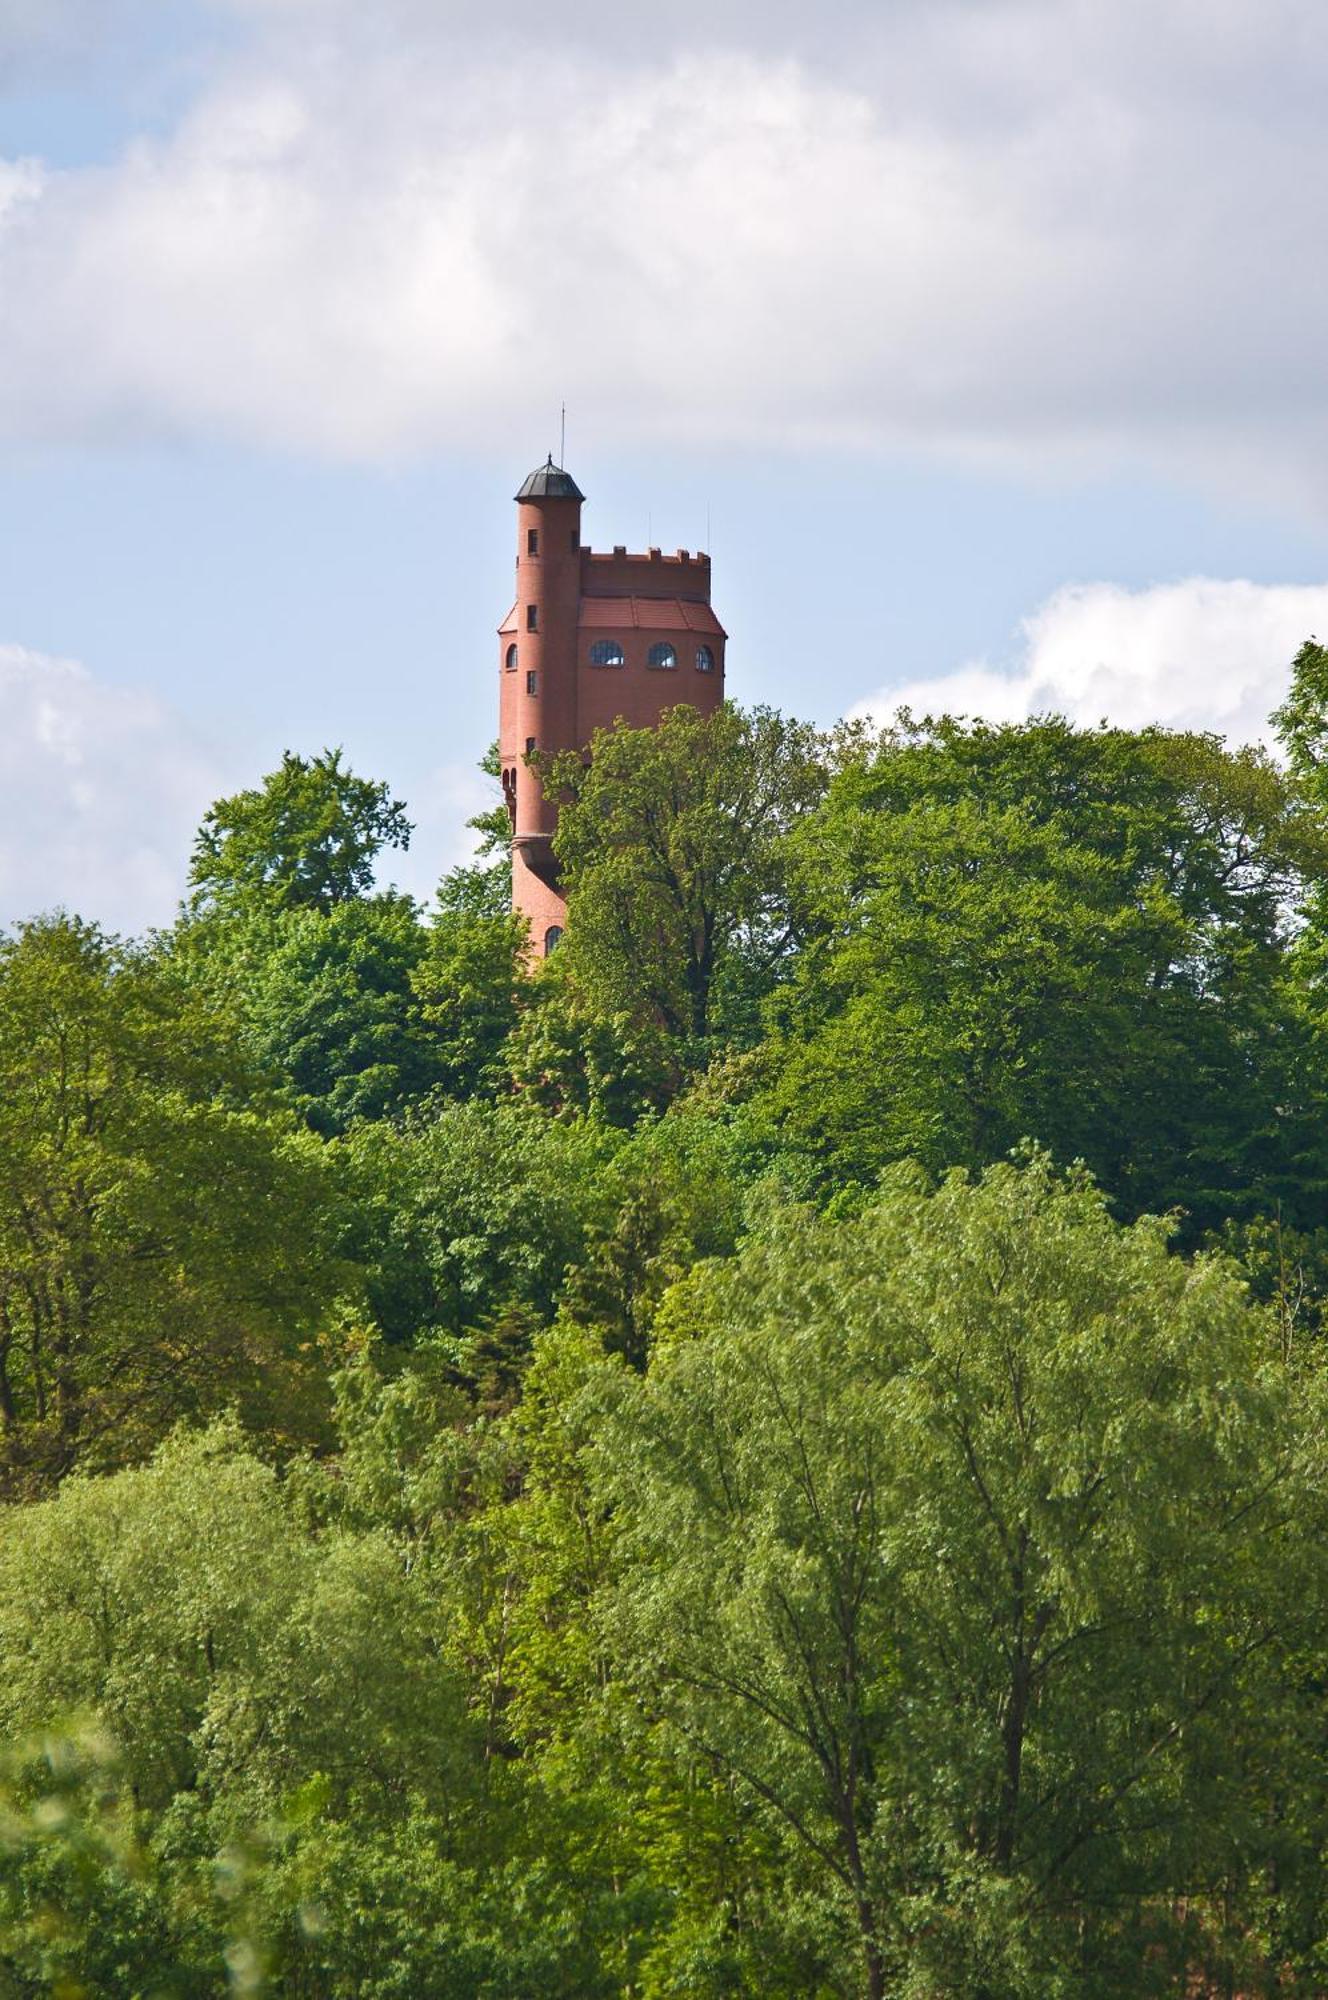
532,681
530,746
607,653
705,660
576,540
532,541
661,656
511,659
553,937
532,618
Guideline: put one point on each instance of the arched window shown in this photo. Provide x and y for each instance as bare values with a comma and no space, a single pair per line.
661,656
511,659
607,653
705,660
553,937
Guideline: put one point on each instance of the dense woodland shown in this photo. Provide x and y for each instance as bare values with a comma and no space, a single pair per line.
781,1453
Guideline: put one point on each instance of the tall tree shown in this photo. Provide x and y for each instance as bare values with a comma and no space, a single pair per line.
306,838
978,1539
1075,935
162,1247
671,842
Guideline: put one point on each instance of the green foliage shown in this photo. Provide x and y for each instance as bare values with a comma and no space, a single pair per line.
1301,720
465,981
477,1209
671,1197
569,1057
306,839
81,1907
1075,935
238,1665
349,1002
671,844
163,1248
466,1531
978,1539
325,1004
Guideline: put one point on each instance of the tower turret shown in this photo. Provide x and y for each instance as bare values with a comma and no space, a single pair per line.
538,704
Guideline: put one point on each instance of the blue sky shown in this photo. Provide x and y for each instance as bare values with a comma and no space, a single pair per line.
988,339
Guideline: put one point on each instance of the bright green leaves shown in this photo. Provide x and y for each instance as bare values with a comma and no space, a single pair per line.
670,840
162,1248
307,838
977,1538
1074,936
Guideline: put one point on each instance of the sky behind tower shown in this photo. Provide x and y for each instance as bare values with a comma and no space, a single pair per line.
983,341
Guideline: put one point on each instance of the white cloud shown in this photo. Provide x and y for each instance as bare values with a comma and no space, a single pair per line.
101,790
1197,654
1046,234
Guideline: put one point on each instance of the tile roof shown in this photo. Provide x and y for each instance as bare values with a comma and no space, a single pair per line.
647,614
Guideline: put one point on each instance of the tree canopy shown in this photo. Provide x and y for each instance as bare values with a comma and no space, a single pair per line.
307,838
776,1452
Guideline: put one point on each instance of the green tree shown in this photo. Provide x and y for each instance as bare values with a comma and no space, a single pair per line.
273,1750
307,838
325,1004
671,844
1076,935
1301,721
978,1538
462,1216
162,1246
352,1005
466,980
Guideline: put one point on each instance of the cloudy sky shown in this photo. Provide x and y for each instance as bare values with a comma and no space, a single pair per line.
983,339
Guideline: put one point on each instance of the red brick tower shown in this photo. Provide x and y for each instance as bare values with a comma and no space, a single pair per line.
591,638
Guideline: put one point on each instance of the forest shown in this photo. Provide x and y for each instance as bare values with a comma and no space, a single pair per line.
780,1452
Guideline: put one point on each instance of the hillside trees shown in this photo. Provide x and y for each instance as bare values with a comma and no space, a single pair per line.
671,844
1080,936
350,1000
978,1540
306,838
307,1801
163,1243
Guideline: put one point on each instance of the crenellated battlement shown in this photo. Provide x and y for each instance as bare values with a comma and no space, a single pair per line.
621,572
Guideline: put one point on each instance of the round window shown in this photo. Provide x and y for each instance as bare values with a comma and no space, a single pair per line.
511,659
607,653
661,656
705,660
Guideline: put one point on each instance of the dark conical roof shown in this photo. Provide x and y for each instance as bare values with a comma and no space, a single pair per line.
550,482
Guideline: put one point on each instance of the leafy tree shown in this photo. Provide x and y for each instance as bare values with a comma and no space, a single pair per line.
1079,935
350,1003
238,1664
569,1056
466,979
671,844
1301,720
470,1213
83,1909
307,838
326,1005
673,1195
979,1538
162,1248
